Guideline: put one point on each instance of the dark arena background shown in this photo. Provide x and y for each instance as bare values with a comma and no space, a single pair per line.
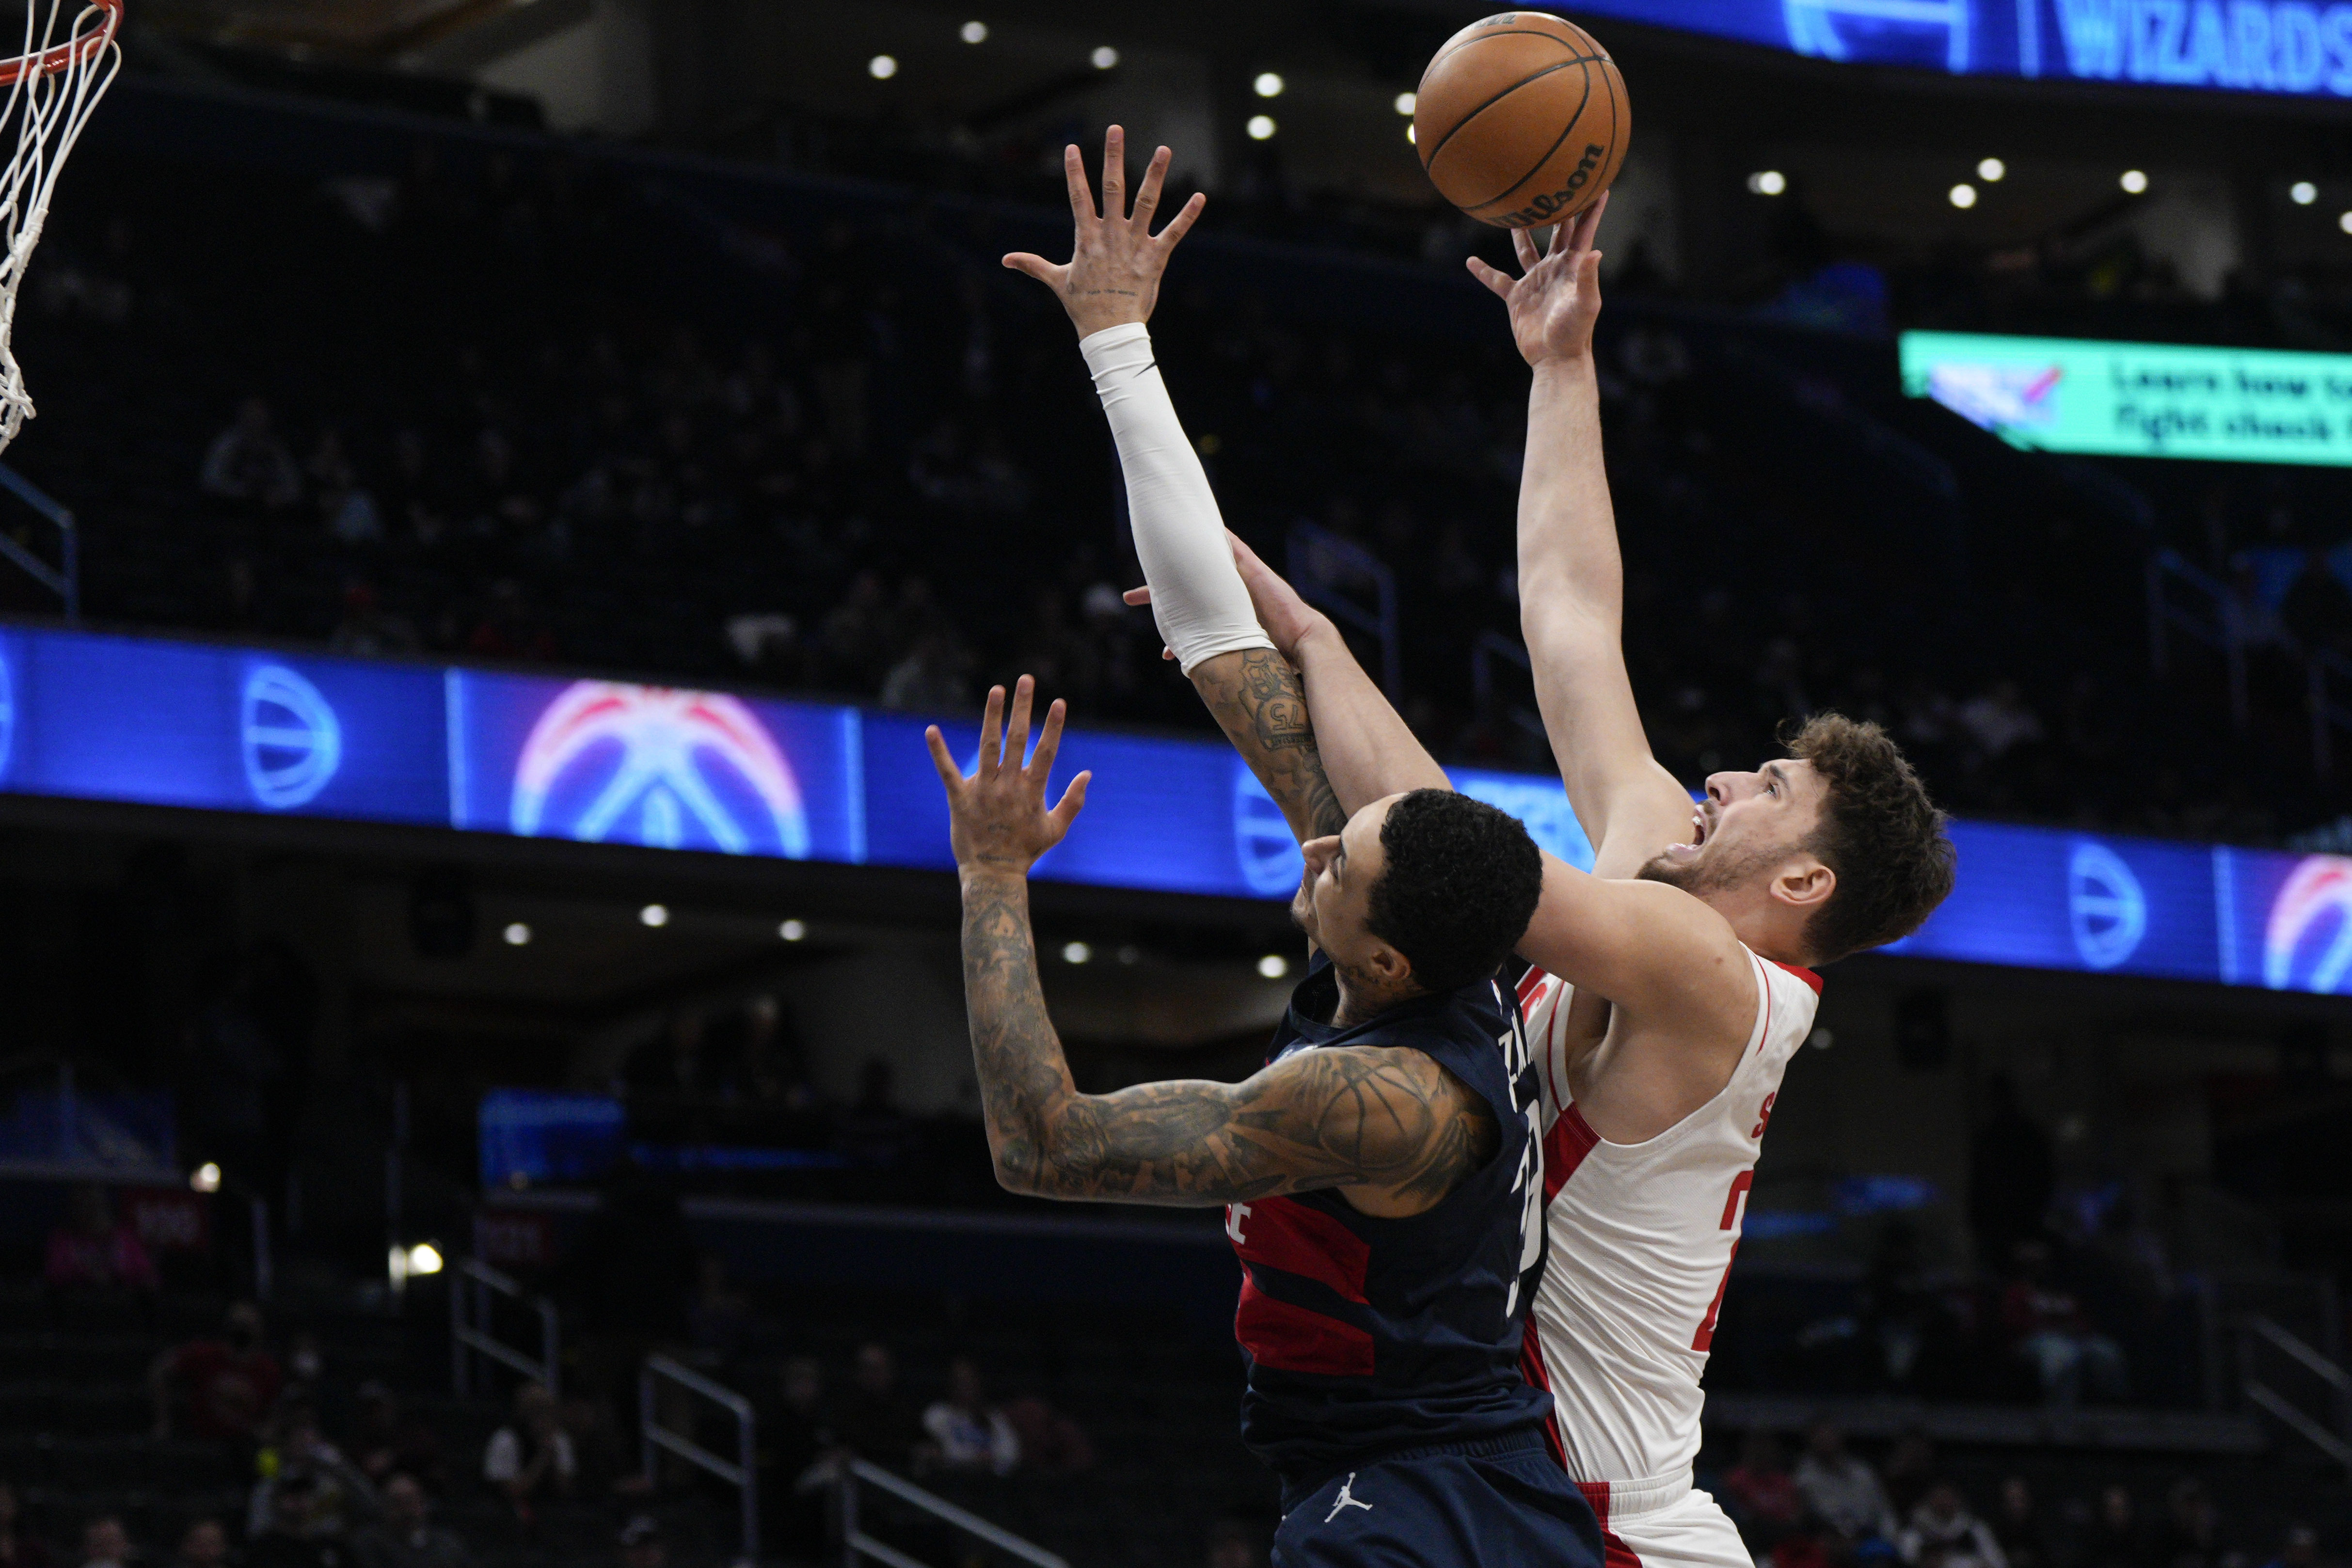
421,1151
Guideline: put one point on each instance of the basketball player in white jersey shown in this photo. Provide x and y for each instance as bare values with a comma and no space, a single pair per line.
1672,986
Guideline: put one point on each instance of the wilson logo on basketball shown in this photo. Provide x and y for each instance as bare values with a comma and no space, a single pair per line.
1543,208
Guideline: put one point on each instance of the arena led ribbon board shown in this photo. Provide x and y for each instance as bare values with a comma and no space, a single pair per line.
2297,47
150,721
2140,400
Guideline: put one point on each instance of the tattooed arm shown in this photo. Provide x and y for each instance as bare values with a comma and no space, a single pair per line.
1389,1127
1261,703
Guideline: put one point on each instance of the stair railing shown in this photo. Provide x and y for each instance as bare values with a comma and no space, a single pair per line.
473,1287
742,1472
857,1546
2262,1345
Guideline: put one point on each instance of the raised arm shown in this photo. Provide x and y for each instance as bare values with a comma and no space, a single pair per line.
1571,581
1391,1127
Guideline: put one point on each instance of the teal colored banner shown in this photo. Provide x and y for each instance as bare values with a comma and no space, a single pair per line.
2140,400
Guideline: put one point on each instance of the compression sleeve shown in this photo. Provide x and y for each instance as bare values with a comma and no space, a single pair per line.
1198,598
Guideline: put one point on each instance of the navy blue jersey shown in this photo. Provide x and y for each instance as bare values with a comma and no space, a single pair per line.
1368,1336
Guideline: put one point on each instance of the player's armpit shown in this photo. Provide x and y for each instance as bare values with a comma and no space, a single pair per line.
1261,703
1644,945
1390,1126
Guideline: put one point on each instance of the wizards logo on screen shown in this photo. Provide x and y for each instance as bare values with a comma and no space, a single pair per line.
605,762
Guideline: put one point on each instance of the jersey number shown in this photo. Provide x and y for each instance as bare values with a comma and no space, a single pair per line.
1732,1206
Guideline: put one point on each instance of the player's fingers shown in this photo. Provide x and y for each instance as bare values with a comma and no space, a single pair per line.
1182,224
1036,267
1074,801
1500,282
1073,173
991,734
1137,597
1049,746
1147,195
1114,174
944,760
1016,728
1167,655
1588,224
1523,245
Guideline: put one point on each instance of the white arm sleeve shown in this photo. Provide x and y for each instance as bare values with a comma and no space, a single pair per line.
1198,599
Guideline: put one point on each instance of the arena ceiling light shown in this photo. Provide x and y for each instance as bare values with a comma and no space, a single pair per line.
1076,953
2344,221
2134,181
206,1177
1767,182
1261,127
2303,193
882,67
655,914
1991,171
794,931
1962,197
973,32
517,935
1406,102
1274,966
1105,58
1269,84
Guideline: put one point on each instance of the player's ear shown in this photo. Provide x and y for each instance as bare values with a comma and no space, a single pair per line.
1392,969
1805,883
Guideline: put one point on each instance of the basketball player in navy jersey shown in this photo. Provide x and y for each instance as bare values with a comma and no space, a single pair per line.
1381,1176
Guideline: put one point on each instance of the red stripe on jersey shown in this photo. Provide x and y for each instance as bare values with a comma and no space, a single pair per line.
1570,1139
1614,1554
1530,983
1539,1376
1805,975
1292,1339
1284,1234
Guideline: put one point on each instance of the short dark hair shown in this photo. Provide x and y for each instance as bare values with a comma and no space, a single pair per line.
1461,884
1881,835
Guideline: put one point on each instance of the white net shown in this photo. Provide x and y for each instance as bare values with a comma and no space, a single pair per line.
70,57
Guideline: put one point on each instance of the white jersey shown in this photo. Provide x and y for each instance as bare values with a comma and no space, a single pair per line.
1641,1241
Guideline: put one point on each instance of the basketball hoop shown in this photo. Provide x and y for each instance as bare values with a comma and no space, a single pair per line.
52,89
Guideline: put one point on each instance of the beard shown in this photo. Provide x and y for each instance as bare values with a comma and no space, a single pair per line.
1710,874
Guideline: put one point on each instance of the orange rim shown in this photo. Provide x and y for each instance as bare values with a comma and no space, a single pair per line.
74,51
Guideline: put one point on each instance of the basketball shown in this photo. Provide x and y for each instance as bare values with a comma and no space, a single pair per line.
1522,119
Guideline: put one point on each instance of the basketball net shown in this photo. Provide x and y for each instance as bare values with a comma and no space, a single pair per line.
52,88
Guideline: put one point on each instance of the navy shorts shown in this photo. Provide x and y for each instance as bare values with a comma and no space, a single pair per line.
1502,1500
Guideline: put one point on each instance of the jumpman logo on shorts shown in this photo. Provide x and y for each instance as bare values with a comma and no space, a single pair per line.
1347,1498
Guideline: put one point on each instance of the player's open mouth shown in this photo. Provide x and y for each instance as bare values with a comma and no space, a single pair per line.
1698,825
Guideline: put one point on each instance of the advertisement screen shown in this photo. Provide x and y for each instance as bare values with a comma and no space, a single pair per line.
2140,400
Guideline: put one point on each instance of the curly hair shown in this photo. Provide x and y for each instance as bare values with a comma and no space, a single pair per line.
1461,882
1880,834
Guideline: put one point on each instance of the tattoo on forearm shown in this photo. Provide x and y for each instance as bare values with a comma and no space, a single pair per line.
1363,1116
1264,710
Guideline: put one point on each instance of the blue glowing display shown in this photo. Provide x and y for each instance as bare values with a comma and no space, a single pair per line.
2297,46
162,723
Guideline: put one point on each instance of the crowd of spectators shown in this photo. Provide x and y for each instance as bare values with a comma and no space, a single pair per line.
538,406
1834,1507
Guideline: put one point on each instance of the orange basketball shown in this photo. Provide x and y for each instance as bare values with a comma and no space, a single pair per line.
1522,119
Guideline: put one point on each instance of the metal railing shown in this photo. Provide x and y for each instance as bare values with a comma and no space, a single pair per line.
741,1473
474,1286
2329,1432
1327,569
63,580
857,1544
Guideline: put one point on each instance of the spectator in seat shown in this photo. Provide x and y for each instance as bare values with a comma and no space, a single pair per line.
17,1550
2018,1524
297,1455
641,1543
1052,1444
1909,1471
385,1438
875,1421
246,462
2188,1536
105,1543
2115,1539
94,1248
204,1544
1842,1489
1760,1495
965,1432
286,1541
405,1537
221,1390
2012,1173
1942,1522
2051,1334
797,1453
530,1459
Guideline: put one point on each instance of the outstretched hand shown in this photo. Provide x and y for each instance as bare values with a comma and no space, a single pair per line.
1113,275
998,815
1555,304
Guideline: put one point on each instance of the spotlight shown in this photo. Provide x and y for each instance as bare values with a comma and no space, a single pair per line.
1963,196
1820,1039
424,1258
517,935
1412,136
1106,58
2134,181
793,931
1260,127
2345,223
882,67
1991,171
1274,966
206,1177
1406,103
655,914
1076,953
2303,193
1767,182
973,32
1268,85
